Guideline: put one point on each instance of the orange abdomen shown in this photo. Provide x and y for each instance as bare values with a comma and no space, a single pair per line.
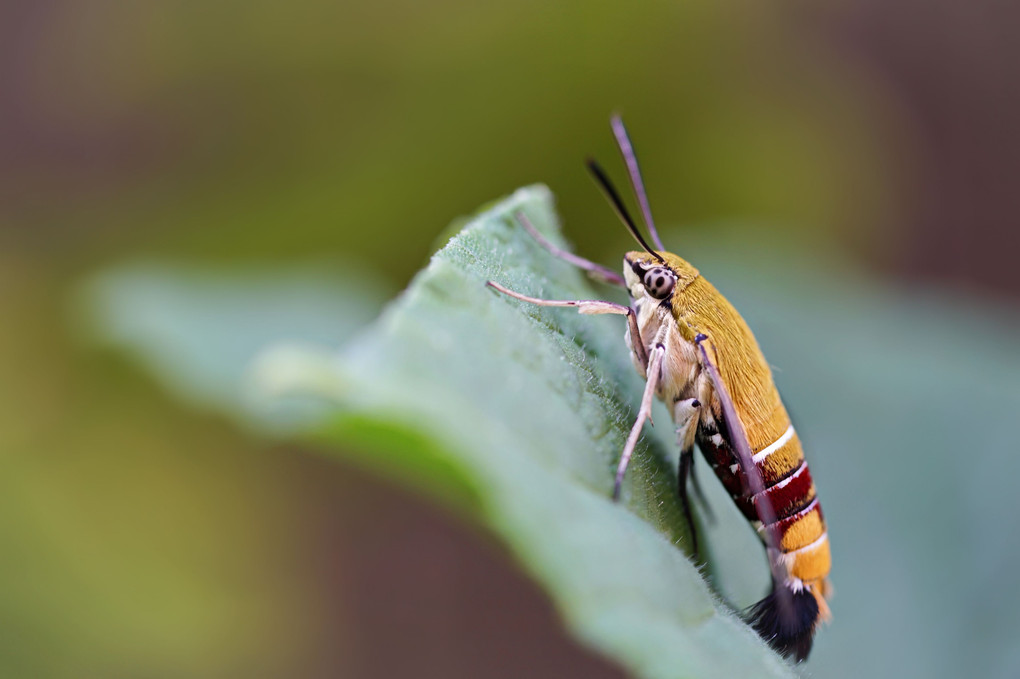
800,525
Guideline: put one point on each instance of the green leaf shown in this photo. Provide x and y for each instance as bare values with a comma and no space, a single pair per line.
521,413
512,413
198,328
905,399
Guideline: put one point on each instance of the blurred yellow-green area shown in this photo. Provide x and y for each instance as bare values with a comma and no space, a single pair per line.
142,537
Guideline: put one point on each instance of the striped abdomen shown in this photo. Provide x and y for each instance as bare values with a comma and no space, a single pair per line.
800,526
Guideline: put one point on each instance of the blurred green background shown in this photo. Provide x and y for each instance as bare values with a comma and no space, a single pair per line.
142,537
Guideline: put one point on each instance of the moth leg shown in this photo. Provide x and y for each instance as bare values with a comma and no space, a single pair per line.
686,469
753,481
653,375
596,271
591,307
699,494
703,390
687,414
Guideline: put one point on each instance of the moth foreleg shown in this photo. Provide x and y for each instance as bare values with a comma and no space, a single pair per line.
653,376
587,306
597,271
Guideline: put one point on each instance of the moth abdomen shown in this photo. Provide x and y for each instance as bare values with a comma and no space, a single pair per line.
797,524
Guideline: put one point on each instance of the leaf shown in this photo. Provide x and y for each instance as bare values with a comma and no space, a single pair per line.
512,413
198,328
527,409
906,401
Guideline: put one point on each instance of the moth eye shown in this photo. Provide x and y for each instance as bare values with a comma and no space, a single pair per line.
659,282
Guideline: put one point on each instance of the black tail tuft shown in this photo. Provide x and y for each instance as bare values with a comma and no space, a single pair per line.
788,632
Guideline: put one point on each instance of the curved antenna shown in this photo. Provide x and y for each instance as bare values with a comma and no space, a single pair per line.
630,158
614,199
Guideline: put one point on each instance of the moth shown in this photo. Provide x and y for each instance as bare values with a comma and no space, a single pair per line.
699,357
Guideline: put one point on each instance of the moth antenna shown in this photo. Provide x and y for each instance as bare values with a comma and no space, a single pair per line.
634,170
614,199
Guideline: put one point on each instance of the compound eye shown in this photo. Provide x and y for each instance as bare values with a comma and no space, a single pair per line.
659,282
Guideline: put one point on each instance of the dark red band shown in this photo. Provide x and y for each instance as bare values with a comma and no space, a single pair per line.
786,524
786,501
789,495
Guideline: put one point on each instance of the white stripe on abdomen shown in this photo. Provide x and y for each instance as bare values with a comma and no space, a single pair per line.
773,447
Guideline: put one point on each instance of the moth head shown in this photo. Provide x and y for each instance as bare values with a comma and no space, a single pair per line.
647,276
